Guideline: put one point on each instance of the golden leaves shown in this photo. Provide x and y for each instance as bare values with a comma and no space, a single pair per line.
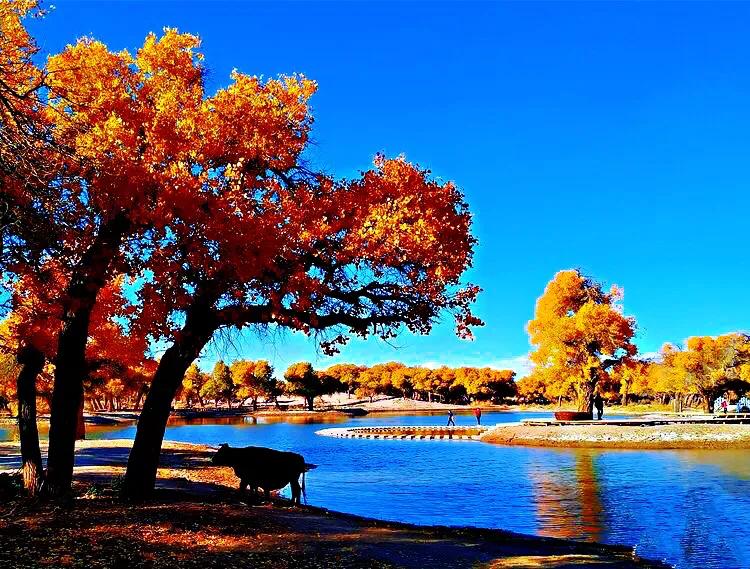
576,327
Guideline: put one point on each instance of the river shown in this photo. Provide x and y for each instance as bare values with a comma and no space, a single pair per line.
688,507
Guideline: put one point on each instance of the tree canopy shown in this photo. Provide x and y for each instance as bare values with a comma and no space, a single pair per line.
579,332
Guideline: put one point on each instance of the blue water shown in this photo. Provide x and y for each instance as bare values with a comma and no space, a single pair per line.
690,508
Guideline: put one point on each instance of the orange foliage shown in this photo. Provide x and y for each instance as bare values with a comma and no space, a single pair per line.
579,332
459,385
707,367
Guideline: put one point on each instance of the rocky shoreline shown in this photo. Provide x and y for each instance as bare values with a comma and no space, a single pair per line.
672,436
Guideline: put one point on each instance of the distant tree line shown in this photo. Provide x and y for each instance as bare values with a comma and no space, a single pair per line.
246,382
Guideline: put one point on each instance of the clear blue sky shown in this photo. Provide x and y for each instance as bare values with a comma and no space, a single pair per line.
607,136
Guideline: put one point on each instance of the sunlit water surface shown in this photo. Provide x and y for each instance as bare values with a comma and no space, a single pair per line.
690,508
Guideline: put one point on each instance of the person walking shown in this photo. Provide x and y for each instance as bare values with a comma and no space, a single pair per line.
478,415
451,422
599,404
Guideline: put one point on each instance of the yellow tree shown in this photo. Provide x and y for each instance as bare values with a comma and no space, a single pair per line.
422,382
631,377
253,380
664,378
192,384
711,365
579,332
402,379
303,380
347,375
493,384
532,389
369,383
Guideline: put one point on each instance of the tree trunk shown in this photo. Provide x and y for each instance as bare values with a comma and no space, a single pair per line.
624,398
31,361
586,397
310,403
88,278
255,404
138,399
143,462
80,424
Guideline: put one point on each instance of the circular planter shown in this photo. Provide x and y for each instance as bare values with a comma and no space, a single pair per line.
573,416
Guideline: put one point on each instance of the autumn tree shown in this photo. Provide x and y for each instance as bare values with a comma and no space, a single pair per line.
402,380
347,375
311,283
708,366
219,385
192,383
27,173
303,380
24,137
422,382
125,124
533,388
253,380
664,378
579,333
631,377
369,384
30,332
445,385
485,384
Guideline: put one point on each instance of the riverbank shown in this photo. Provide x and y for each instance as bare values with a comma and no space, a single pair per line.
601,435
196,520
340,406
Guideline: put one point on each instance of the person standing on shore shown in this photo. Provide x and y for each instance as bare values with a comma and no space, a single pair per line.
478,415
451,422
599,404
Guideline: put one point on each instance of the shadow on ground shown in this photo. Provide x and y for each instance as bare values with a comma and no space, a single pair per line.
196,521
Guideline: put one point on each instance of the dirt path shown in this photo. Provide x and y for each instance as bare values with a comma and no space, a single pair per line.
196,521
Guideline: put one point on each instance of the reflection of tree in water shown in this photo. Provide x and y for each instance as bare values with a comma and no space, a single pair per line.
567,500
251,420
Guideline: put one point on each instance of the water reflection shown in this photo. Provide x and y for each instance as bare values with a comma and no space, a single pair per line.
248,420
567,499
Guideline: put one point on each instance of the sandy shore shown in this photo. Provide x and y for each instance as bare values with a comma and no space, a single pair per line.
196,520
675,436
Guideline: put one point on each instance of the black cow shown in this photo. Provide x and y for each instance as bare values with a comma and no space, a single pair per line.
266,468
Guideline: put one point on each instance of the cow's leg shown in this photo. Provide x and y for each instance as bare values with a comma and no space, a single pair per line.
254,492
296,492
241,490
